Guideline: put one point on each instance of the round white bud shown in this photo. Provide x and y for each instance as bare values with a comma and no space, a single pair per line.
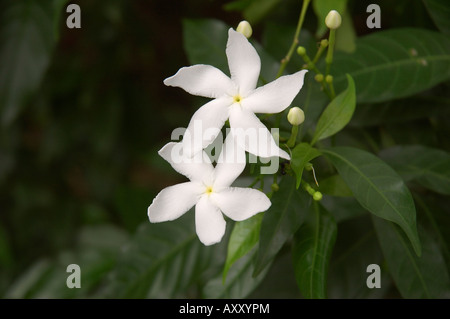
245,28
333,20
296,116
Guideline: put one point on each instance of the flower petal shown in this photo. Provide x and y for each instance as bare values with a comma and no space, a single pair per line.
243,61
202,80
198,168
252,135
230,164
205,125
209,222
173,201
241,203
275,96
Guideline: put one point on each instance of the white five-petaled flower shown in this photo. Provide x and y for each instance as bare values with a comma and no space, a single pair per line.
209,190
236,98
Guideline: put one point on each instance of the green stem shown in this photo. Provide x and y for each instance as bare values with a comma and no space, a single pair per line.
333,93
329,57
254,182
291,142
322,48
312,66
288,56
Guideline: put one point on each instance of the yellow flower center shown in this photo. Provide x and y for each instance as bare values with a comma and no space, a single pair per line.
209,190
237,99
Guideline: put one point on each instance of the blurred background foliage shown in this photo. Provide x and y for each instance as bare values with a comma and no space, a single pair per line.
84,111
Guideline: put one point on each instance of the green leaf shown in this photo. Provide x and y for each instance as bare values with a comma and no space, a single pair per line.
394,63
240,282
356,248
337,114
301,155
322,8
439,11
162,261
343,208
27,39
335,186
346,36
428,166
243,238
397,111
311,252
434,213
377,187
95,253
29,280
205,41
415,277
256,11
288,211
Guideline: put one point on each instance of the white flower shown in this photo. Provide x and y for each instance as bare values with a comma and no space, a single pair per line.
209,190
236,98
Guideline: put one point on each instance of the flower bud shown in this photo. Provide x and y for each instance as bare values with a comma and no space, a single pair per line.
301,51
317,196
275,187
245,28
324,43
329,79
333,20
318,77
296,116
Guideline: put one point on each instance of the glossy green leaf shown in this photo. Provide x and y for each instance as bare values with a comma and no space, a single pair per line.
356,248
394,63
322,8
335,186
377,187
301,155
240,282
27,39
428,166
343,208
288,211
311,253
243,238
162,261
397,111
337,114
205,41
434,213
439,11
415,277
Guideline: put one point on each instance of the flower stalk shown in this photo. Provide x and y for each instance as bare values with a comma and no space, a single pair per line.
288,56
